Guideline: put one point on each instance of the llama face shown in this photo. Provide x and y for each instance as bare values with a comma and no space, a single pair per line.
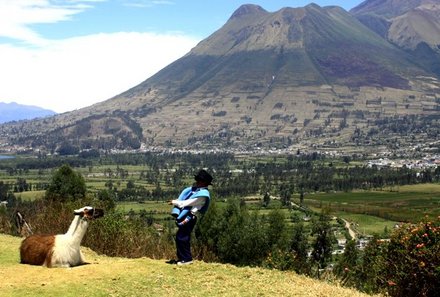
93,213
89,212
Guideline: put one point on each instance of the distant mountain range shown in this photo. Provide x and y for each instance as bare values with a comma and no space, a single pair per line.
308,77
16,112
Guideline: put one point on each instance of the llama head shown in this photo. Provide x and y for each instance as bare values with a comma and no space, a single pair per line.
89,212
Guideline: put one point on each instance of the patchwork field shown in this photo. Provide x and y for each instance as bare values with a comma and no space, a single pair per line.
407,203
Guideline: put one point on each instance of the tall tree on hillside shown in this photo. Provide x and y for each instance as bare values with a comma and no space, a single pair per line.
322,245
277,230
347,264
66,185
242,238
4,188
266,199
300,246
369,273
209,228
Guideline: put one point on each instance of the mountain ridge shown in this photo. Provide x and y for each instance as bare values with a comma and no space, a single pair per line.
15,112
298,77
410,22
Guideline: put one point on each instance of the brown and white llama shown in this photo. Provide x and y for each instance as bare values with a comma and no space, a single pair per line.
61,250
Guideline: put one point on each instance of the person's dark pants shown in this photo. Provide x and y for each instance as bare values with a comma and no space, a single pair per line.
183,240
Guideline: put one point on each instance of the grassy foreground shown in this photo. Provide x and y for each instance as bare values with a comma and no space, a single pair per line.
106,276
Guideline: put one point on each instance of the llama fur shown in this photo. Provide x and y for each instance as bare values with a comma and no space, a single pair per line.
61,250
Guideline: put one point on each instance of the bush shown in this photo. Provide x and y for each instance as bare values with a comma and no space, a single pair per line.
412,262
116,235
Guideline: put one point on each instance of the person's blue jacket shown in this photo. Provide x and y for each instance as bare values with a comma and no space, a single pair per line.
195,205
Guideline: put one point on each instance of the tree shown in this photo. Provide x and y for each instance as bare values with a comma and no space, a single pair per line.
285,194
301,198
130,184
369,274
347,264
22,185
266,199
67,149
232,232
66,185
299,246
209,228
277,230
322,245
242,240
107,199
4,189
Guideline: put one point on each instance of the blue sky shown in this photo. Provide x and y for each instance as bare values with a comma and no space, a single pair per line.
68,54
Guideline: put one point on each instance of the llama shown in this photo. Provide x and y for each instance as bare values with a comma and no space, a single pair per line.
61,250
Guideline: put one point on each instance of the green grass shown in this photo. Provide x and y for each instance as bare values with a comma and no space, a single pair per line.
366,224
148,206
106,276
30,195
408,203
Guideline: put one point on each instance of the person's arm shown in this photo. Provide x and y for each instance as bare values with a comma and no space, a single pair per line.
195,202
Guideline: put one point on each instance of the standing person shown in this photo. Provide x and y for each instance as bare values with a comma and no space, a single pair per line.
191,201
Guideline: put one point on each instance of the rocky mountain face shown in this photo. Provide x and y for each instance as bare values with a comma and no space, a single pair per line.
413,25
298,77
16,112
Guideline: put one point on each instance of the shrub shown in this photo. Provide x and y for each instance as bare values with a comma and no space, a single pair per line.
412,262
116,235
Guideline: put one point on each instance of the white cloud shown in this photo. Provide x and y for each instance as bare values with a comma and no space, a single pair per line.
17,15
77,72
68,74
147,3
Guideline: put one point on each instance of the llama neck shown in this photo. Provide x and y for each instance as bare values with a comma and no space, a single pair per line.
80,231
77,230
73,225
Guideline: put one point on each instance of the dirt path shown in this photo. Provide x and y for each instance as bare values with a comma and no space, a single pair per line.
350,231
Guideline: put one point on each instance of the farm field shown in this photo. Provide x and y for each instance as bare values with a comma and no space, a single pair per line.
407,203
366,224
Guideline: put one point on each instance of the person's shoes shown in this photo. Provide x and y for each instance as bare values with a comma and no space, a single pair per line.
172,261
184,262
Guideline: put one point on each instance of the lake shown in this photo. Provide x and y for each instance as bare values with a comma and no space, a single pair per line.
6,157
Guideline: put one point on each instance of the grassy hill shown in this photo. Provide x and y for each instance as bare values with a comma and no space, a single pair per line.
146,277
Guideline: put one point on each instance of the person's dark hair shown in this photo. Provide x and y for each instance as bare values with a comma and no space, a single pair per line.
203,176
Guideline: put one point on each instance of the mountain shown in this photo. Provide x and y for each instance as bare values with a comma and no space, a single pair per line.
413,25
390,8
298,77
16,112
